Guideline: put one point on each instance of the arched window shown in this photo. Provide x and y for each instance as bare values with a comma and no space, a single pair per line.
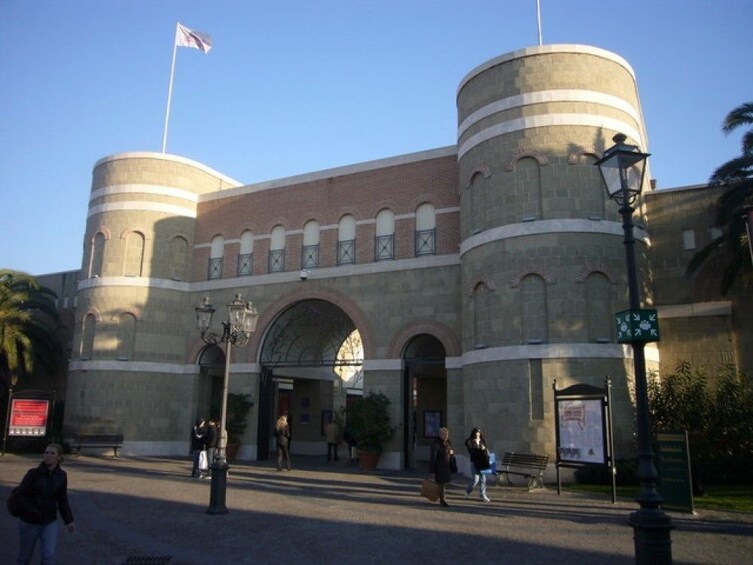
533,304
134,254
246,254
384,245
426,230
97,256
593,196
126,336
528,188
216,255
87,337
178,258
276,260
481,315
310,250
346,240
599,308
479,211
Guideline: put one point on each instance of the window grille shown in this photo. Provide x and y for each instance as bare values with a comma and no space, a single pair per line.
215,268
425,242
346,252
310,257
245,264
384,247
276,261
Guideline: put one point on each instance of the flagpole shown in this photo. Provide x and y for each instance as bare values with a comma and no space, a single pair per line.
170,90
538,17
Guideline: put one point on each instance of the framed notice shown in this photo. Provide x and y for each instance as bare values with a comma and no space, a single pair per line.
581,426
29,417
432,423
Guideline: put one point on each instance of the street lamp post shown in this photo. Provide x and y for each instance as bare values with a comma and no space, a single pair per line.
13,381
622,169
237,330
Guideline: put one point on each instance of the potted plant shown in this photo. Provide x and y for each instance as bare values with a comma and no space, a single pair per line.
368,422
238,407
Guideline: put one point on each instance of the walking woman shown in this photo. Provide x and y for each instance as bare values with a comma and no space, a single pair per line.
479,454
43,492
439,463
282,433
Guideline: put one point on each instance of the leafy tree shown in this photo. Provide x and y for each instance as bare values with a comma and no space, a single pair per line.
718,417
28,325
736,176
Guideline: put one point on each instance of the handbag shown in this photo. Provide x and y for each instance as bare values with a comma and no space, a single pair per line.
453,464
203,460
483,462
430,490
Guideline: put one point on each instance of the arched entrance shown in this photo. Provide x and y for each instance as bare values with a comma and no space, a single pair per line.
425,397
298,356
211,363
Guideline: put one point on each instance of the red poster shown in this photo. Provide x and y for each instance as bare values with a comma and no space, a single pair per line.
28,417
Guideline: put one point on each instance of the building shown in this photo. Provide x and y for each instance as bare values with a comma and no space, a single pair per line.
475,276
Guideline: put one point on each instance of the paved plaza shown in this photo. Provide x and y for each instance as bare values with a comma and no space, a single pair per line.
148,510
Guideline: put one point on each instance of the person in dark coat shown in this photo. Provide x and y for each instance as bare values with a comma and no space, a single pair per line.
212,439
479,455
43,492
198,438
439,462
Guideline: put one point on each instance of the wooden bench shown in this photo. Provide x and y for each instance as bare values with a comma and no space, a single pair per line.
528,465
115,441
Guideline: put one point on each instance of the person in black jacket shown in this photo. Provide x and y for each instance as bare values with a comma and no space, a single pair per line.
439,462
479,455
198,443
43,492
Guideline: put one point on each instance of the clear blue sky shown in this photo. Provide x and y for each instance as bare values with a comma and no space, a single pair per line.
299,86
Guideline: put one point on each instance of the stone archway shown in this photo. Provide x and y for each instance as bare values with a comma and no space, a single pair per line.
298,354
424,396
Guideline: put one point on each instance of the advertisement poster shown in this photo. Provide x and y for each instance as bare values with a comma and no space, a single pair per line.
28,417
581,427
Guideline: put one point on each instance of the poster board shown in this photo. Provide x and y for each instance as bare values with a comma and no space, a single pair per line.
673,464
29,417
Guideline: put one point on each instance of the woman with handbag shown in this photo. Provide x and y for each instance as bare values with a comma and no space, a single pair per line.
440,463
479,454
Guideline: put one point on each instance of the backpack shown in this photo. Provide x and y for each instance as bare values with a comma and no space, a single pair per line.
13,503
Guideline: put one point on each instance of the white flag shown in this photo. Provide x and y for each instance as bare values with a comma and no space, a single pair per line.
185,37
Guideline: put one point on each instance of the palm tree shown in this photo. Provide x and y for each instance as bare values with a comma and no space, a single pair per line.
736,176
28,326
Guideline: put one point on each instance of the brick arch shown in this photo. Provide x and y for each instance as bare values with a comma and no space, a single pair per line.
278,221
103,230
574,157
482,170
548,277
135,229
597,268
132,311
349,211
94,312
342,301
180,234
486,281
425,198
382,205
540,159
442,332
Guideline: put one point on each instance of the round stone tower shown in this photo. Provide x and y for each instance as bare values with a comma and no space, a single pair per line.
127,371
542,255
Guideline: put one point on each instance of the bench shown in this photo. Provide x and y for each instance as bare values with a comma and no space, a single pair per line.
528,465
114,441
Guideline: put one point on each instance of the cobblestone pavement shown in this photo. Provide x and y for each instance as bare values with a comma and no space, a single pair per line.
149,511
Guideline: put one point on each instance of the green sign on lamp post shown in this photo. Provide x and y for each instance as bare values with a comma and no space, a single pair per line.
637,326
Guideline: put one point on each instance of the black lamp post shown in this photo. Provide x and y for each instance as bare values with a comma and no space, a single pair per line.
237,330
748,219
11,384
622,169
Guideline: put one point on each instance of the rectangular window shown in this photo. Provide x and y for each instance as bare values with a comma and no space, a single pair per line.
688,239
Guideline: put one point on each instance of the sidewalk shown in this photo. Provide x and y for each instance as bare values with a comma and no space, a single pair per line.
149,510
